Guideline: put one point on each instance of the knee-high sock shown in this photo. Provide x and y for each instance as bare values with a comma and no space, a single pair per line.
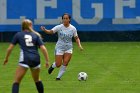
39,87
15,88
61,71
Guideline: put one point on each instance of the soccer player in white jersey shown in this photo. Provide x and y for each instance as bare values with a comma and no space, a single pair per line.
64,47
29,41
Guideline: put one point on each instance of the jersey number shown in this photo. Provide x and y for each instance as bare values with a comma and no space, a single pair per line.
28,40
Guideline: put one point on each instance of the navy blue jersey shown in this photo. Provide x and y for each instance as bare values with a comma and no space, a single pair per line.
29,43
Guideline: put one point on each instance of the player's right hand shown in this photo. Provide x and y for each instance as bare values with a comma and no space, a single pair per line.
47,64
5,62
81,48
42,28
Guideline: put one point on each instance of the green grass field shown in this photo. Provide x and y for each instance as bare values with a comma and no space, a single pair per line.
112,67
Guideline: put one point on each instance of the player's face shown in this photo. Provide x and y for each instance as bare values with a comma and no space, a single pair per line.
66,20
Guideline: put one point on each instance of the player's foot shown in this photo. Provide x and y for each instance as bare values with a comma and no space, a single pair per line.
57,79
50,70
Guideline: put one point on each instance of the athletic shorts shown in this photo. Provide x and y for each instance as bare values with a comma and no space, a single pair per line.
29,60
34,65
62,52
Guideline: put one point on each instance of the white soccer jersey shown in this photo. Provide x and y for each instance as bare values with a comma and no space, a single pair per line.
65,35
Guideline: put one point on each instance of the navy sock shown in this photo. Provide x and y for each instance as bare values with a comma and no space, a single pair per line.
15,88
39,87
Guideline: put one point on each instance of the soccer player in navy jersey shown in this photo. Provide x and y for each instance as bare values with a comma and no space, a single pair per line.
29,41
64,46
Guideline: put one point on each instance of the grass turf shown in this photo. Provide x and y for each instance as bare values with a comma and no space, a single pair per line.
112,67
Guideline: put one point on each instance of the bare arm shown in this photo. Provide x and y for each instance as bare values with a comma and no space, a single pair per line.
45,53
9,50
46,31
78,42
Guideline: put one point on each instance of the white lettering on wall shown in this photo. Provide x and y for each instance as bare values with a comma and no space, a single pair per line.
3,15
119,12
41,4
76,8
76,13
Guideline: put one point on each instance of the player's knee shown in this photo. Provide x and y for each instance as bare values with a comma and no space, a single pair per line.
58,65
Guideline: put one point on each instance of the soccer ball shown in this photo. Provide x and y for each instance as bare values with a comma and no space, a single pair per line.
82,76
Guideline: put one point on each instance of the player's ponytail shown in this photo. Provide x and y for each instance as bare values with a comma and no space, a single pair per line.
32,30
27,25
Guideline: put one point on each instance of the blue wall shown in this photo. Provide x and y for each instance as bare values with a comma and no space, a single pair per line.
87,15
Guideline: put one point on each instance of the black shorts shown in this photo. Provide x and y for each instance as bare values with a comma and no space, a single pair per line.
30,64
29,60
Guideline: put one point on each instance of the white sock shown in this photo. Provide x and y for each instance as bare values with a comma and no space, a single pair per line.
53,65
61,71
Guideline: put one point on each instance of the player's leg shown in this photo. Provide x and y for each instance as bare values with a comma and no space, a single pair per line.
58,60
66,60
57,63
35,74
20,72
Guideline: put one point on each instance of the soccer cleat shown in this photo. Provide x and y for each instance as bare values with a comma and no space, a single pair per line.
50,70
57,79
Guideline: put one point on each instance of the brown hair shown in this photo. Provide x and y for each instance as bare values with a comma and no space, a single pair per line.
27,25
66,14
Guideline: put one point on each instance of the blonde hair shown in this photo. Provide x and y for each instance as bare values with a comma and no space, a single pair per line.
27,25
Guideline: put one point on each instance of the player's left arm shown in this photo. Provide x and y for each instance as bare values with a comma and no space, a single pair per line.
78,42
45,53
9,50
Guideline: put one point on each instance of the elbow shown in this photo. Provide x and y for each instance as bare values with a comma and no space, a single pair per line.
77,40
42,47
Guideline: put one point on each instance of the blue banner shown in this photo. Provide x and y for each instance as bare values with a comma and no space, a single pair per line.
87,15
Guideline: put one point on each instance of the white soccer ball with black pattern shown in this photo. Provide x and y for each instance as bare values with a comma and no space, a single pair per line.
82,76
